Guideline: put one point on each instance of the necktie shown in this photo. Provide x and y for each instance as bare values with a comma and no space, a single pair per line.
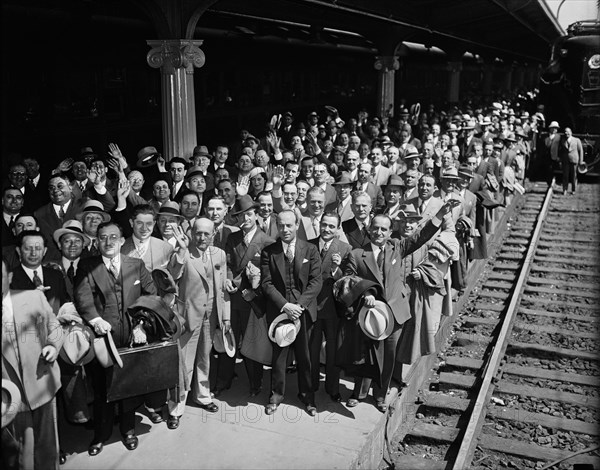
380,257
422,208
82,186
289,254
71,272
11,224
36,279
246,240
217,238
113,269
315,225
324,251
61,214
173,192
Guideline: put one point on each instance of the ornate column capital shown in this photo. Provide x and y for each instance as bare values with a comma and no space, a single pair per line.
386,63
169,55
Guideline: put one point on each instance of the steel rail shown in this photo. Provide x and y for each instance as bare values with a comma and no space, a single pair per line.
469,440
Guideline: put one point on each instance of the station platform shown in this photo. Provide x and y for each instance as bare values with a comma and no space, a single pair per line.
240,434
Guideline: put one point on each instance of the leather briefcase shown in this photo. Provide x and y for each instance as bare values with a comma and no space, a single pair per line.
145,369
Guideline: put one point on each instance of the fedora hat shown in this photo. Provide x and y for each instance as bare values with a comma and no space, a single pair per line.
93,206
194,171
169,208
252,137
224,342
486,121
582,168
77,347
395,180
106,352
87,152
343,179
452,127
450,173
201,151
521,133
510,137
283,331
11,401
376,322
73,227
246,203
465,172
412,153
408,211
553,124
497,106
147,157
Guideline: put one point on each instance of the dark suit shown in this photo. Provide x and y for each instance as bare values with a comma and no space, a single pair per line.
377,199
238,257
8,237
362,262
56,295
220,238
299,283
98,294
356,238
271,230
327,318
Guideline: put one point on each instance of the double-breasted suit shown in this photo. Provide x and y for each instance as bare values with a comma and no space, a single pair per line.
356,237
57,292
300,283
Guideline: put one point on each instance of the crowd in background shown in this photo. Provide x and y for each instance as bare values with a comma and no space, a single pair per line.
342,239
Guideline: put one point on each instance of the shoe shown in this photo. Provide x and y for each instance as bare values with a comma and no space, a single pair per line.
211,407
336,397
311,410
352,402
173,422
381,406
155,417
95,448
130,441
255,392
271,408
62,457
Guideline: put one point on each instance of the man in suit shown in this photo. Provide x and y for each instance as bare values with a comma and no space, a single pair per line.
243,250
71,241
227,191
357,228
291,281
266,219
190,210
381,261
63,207
38,184
363,183
177,172
380,173
31,439
428,204
476,181
467,142
221,155
154,252
321,176
105,286
310,223
201,273
81,183
29,275
91,216
343,208
215,211
12,205
393,196
197,183
570,152
334,255
17,179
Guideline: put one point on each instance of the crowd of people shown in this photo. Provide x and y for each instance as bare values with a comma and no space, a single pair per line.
323,242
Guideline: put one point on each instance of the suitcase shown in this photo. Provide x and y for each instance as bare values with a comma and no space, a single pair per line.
145,369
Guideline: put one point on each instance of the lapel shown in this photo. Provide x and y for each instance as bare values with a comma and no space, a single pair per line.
369,260
246,256
101,277
299,253
8,351
278,256
196,262
390,254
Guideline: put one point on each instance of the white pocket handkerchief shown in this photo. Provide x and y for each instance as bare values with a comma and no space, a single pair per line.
304,261
137,281
393,261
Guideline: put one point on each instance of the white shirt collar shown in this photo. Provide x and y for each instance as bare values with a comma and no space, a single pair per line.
65,206
364,224
285,245
138,242
376,249
29,273
250,235
324,244
36,180
116,261
67,263
8,216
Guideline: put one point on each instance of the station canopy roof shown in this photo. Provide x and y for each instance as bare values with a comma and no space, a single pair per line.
521,30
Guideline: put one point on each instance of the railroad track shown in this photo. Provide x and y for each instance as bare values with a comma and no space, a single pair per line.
518,386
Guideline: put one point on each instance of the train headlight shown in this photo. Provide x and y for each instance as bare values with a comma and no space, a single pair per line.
594,62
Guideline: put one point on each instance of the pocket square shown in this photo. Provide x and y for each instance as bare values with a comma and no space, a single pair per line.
394,261
304,261
137,281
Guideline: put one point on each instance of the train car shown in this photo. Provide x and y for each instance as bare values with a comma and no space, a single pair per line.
570,88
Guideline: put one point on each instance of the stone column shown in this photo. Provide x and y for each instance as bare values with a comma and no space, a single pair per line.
454,68
488,79
176,59
386,66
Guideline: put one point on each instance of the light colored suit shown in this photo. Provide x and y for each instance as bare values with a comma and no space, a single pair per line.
433,206
382,174
157,255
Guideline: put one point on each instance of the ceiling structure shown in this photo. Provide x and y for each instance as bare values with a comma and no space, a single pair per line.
519,30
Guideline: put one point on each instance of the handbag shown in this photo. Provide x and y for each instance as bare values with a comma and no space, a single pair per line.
256,344
145,369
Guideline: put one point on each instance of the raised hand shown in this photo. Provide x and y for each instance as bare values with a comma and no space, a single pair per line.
93,177
182,239
115,152
242,186
124,189
278,175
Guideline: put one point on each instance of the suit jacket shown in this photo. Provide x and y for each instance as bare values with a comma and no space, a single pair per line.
470,148
272,230
571,152
56,295
377,199
469,209
96,296
434,205
330,195
188,270
356,238
306,231
220,240
383,174
477,183
325,301
307,278
36,326
157,255
362,263
345,213
238,257
8,237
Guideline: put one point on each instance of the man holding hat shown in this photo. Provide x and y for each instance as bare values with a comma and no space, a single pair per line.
571,154
291,281
91,216
105,286
551,144
381,261
32,435
243,250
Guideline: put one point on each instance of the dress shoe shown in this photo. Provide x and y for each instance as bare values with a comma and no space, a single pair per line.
381,406
95,448
211,407
219,391
62,457
311,410
155,417
336,397
130,441
173,422
352,402
271,408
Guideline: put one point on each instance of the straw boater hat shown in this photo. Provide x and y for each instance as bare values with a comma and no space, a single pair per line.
71,227
553,124
106,352
224,342
11,401
376,322
93,207
77,347
170,208
450,174
283,331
